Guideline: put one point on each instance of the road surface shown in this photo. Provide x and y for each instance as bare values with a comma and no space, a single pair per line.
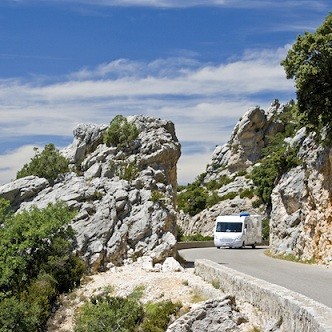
312,281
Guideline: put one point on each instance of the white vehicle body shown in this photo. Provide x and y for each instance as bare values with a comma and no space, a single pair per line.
238,231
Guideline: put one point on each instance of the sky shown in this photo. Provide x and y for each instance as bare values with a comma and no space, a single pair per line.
199,63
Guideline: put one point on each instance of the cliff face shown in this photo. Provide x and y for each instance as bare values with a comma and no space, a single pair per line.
125,199
301,217
234,161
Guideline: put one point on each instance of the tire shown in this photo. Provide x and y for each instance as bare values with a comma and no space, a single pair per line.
218,247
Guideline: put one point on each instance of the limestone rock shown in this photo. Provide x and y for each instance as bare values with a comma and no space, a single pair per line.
118,218
248,138
22,189
301,222
211,316
171,265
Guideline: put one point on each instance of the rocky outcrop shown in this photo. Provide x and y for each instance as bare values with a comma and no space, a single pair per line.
212,315
301,216
124,199
234,160
249,137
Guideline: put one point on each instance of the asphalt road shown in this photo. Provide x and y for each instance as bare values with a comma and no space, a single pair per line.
312,281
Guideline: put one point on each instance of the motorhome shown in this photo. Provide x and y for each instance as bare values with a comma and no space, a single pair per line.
236,231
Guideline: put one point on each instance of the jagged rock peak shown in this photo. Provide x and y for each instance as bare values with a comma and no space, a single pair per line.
124,199
247,140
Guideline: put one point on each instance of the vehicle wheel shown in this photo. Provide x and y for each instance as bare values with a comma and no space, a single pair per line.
253,246
218,247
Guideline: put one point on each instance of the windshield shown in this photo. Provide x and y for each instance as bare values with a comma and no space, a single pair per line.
229,226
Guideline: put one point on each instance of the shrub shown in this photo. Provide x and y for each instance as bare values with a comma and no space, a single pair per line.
48,164
247,193
192,200
120,133
36,264
216,184
158,197
108,314
212,199
195,237
266,229
157,315
127,171
230,195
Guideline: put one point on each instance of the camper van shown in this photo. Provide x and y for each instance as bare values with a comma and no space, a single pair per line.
237,231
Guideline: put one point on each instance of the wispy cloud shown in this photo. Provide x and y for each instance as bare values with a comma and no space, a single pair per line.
203,100
314,4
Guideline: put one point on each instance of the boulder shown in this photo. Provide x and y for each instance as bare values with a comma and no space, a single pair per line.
23,189
212,316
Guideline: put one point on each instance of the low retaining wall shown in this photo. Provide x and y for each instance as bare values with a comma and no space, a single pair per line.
194,244
293,312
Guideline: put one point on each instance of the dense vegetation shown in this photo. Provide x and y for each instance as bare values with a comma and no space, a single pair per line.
120,133
309,62
48,164
105,313
197,196
36,264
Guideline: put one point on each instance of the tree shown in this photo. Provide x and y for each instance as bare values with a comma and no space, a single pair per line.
48,164
309,62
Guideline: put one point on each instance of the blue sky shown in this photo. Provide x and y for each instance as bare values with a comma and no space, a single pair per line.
201,64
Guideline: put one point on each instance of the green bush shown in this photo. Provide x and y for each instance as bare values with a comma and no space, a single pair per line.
120,133
105,313
48,164
17,315
36,264
127,171
212,199
195,237
157,315
192,200
247,193
268,172
108,314
216,184
230,195
266,229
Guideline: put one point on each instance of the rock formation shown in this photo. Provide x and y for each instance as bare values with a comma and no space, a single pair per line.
301,216
125,199
235,160
212,315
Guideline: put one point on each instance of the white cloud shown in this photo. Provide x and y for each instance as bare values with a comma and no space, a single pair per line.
203,100
190,166
12,161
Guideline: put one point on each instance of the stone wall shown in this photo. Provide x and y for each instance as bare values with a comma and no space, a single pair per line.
283,309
